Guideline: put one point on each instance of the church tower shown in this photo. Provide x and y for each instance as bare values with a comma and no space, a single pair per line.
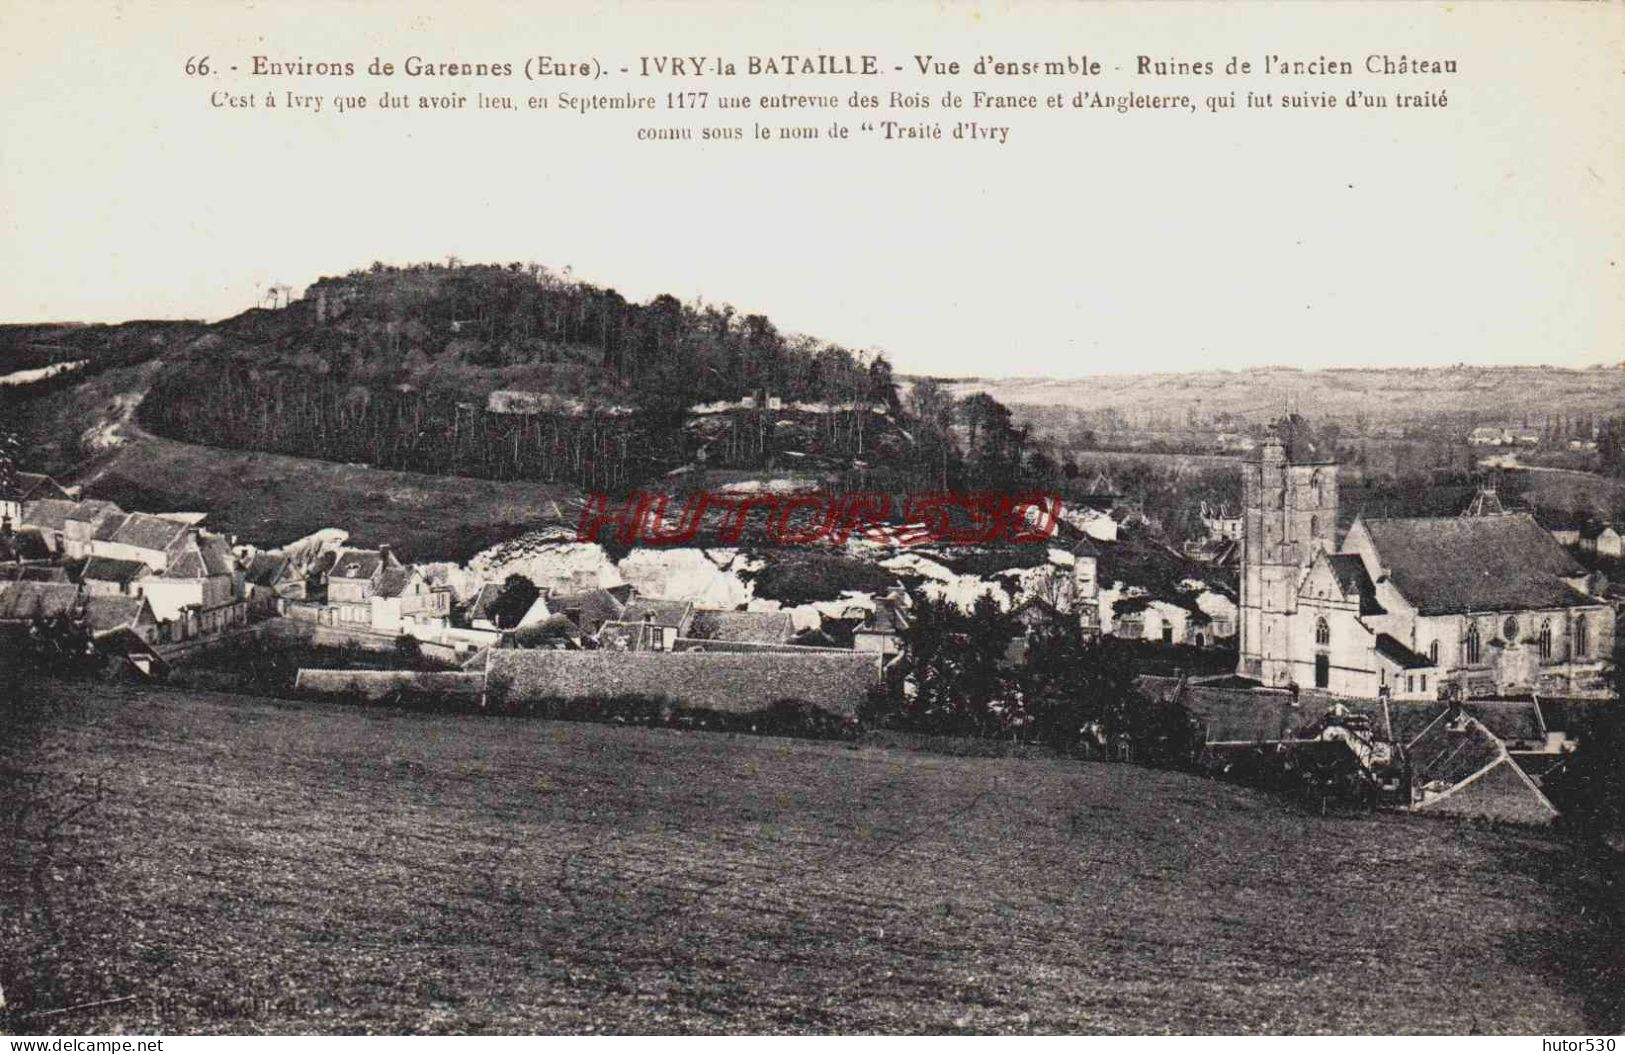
1289,503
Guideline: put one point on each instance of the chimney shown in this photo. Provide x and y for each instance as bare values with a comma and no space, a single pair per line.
387,556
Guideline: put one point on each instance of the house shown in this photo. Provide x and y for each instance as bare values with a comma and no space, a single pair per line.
673,618
137,536
481,614
108,576
554,631
269,579
1431,607
751,627
1459,767
80,525
24,602
352,579
1220,523
1601,539
200,588
402,598
882,631
588,609
632,636
19,572
24,487
47,517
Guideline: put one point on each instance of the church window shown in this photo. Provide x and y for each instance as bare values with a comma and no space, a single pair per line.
1433,652
1314,527
1472,645
1323,632
1582,637
1509,630
1546,639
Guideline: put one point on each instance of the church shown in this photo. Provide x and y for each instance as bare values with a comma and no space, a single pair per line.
1482,605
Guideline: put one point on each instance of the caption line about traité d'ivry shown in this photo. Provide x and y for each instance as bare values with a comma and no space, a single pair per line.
921,98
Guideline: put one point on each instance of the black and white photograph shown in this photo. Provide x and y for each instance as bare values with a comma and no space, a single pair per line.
722,518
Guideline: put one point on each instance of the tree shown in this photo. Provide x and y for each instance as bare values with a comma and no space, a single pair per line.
517,596
1590,791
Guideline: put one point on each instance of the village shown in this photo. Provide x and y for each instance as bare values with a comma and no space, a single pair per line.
1400,639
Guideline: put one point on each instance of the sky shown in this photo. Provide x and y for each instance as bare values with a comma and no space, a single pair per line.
1489,232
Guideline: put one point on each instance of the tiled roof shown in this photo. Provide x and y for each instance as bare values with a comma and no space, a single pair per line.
266,569
668,613
24,601
767,627
29,486
1510,720
107,569
49,514
1457,564
1391,649
357,563
106,614
481,607
31,573
1452,748
1353,579
141,530
1237,715
392,582
589,610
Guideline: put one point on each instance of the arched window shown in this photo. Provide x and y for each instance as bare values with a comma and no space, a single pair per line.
1509,630
1582,637
1472,645
1314,527
1433,652
1323,632
1546,639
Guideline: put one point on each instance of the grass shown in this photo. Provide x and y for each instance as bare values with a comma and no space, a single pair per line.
262,866
271,499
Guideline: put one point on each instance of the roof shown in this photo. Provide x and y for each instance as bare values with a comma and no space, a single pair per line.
1397,653
267,569
770,627
480,608
1086,546
1353,579
1509,720
49,514
93,509
24,601
107,569
30,486
1559,519
31,573
1457,564
887,617
357,563
202,556
589,609
392,582
1451,749
141,530
1238,715
668,613
107,613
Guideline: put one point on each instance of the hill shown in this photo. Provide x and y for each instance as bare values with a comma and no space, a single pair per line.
256,866
1377,399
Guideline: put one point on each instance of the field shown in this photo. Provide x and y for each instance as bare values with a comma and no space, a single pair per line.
262,866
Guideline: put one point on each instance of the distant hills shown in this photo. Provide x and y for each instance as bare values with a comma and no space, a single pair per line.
1383,399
